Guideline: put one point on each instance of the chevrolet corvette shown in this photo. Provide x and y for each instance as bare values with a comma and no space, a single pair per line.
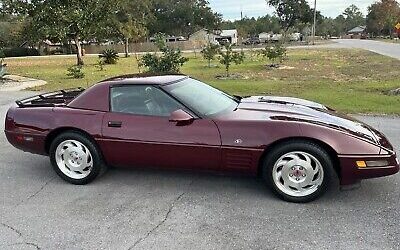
176,122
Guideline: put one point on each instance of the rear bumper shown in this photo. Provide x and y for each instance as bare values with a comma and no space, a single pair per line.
351,174
32,143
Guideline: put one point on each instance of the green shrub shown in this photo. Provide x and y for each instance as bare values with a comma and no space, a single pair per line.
228,57
20,51
76,72
209,52
274,53
170,61
109,56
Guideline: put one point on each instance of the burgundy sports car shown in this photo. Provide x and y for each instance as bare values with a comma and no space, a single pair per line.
177,122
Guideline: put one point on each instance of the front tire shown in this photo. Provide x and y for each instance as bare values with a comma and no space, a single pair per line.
298,171
75,158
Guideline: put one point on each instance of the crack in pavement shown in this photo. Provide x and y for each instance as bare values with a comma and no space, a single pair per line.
171,207
11,228
26,243
37,192
19,236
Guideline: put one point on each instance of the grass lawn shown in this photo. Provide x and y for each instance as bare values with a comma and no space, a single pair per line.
352,81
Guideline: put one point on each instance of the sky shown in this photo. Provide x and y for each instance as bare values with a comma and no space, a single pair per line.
255,8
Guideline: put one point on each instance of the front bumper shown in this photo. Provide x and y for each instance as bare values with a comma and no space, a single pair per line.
350,173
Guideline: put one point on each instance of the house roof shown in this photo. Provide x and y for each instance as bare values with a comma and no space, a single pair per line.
358,29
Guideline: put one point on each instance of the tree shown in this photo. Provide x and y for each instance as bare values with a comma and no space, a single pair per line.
382,17
182,17
59,20
291,12
170,61
353,17
130,20
275,52
228,57
209,52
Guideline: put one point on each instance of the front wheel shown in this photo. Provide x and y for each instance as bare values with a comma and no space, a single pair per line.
298,171
75,158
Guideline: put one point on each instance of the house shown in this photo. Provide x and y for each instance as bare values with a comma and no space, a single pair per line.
230,36
203,37
357,32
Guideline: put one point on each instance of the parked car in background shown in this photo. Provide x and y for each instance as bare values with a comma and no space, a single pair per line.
252,41
177,122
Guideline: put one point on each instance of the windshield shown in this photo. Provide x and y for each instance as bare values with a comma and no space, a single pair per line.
201,97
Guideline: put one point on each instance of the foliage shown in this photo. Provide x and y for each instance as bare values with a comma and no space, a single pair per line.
170,61
130,21
274,53
65,20
209,52
291,12
353,17
20,51
76,71
250,27
183,17
382,17
109,56
100,65
228,57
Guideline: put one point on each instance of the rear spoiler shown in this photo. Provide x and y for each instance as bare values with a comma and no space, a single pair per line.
51,99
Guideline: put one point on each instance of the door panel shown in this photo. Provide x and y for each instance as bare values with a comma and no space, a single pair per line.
135,140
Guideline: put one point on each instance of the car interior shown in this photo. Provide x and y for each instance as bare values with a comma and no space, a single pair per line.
142,100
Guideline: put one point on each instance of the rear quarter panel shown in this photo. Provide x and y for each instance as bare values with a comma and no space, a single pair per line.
38,123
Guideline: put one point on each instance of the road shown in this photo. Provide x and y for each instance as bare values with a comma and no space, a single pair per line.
147,209
379,47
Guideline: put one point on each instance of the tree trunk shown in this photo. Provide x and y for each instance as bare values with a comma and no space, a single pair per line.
126,47
78,51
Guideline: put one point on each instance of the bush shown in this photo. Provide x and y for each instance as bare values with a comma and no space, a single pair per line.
228,57
209,52
109,56
20,51
170,61
76,72
275,52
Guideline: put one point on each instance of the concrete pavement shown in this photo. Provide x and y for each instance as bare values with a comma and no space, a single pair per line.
383,48
148,209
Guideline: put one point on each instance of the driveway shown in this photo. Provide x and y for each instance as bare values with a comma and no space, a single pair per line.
147,209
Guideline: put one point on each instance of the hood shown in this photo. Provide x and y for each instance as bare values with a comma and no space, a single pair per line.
295,109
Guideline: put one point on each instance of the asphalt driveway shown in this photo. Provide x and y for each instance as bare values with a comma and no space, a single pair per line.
147,209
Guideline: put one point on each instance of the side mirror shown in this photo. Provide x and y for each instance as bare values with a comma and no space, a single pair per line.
181,118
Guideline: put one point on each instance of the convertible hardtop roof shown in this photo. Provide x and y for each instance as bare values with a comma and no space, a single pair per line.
146,78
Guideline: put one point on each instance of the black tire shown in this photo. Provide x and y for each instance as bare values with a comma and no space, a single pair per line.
98,165
293,146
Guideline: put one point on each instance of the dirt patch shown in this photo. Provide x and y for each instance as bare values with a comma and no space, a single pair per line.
233,76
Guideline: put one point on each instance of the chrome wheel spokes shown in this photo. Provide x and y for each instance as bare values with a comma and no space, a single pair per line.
74,159
298,174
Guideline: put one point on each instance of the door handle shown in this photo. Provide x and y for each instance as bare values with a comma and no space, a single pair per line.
114,124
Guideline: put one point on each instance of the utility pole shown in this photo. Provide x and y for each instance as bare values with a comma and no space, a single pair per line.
315,22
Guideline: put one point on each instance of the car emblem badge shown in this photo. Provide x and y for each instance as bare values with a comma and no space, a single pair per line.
238,141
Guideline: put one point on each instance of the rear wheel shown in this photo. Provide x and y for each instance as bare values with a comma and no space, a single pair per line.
298,171
75,158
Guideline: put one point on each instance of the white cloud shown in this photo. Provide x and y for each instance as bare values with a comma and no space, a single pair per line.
231,8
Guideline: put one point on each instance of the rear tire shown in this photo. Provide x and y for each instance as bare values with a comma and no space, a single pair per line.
75,158
298,171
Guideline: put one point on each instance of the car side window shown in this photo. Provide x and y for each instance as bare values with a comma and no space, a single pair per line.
142,100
